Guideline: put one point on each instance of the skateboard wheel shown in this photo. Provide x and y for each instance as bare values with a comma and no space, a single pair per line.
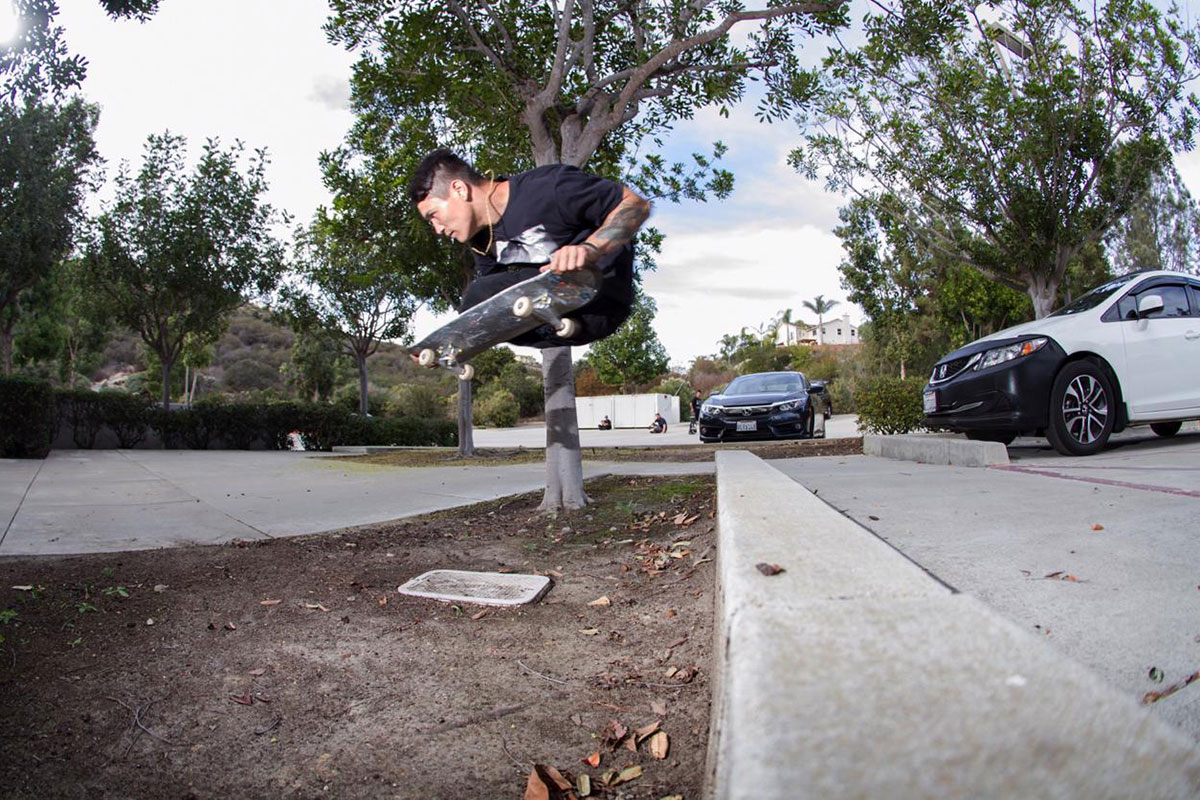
523,307
467,373
428,358
568,328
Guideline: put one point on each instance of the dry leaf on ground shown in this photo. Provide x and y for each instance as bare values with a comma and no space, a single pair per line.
601,602
769,569
659,745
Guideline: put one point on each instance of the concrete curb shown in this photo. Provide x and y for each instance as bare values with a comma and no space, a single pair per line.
934,449
854,673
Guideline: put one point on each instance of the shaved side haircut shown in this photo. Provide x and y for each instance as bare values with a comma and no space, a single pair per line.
435,172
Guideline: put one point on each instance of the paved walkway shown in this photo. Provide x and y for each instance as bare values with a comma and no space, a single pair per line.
79,501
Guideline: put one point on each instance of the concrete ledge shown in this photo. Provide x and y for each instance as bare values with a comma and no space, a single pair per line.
854,674
935,449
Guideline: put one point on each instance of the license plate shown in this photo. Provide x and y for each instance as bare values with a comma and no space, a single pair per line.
747,425
930,401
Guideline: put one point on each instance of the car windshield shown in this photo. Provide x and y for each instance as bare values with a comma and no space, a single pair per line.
760,384
1093,298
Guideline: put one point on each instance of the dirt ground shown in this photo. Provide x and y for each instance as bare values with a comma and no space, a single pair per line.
293,668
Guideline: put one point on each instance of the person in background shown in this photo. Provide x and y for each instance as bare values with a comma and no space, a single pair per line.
605,424
659,425
695,423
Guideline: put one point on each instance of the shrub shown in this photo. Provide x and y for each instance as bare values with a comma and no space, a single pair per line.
418,400
527,389
83,410
498,408
127,415
681,389
249,374
26,418
889,405
347,395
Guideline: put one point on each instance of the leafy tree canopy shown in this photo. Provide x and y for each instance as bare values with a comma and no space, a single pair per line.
1014,133
176,251
633,354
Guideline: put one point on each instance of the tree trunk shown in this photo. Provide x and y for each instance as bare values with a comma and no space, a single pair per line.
564,461
6,346
363,408
1042,292
166,385
466,433
192,390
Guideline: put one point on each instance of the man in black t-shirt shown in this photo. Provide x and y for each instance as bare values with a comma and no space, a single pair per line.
555,217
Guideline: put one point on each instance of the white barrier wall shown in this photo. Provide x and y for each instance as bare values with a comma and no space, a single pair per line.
627,410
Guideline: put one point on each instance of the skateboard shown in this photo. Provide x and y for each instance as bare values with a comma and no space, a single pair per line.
543,299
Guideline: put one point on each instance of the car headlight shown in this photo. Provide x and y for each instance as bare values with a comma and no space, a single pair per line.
1001,355
787,405
711,408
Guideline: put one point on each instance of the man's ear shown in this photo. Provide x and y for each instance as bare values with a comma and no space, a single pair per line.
460,189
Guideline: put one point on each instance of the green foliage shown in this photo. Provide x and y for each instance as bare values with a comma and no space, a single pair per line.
633,354
27,415
1014,143
681,389
497,408
44,173
250,374
491,363
417,400
525,386
311,369
176,252
1161,230
889,405
347,396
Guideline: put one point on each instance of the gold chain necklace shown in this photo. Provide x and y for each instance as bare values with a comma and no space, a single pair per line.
491,232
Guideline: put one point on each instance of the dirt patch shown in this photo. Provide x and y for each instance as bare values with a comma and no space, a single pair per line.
292,668
498,456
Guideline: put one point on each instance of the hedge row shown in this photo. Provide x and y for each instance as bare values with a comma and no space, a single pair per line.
30,413
26,418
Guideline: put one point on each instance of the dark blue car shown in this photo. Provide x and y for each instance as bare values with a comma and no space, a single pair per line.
763,405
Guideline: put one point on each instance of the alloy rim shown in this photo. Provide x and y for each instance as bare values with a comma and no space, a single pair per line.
1085,409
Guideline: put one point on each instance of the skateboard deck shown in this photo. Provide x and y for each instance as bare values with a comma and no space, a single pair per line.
543,299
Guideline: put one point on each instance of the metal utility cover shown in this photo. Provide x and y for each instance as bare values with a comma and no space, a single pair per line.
482,588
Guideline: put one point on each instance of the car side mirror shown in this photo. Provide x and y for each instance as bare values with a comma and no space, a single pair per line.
816,388
1149,304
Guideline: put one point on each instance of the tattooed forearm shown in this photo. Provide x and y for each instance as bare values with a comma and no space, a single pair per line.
622,223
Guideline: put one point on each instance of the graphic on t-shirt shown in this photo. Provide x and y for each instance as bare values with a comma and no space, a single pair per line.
533,246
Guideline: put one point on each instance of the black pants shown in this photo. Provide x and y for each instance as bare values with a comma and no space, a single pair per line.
599,318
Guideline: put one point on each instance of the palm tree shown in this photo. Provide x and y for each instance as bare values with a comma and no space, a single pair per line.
784,321
819,306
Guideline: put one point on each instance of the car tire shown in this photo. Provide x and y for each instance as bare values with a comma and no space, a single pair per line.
1003,437
810,423
1166,429
1083,409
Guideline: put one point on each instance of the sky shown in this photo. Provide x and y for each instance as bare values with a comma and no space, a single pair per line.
262,72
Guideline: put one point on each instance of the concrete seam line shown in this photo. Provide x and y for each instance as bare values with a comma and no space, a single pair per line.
21,502
169,482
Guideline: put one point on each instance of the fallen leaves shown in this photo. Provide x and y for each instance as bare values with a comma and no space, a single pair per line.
601,602
659,745
1097,527
1154,697
270,602
547,783
1061,576
769,569
316,606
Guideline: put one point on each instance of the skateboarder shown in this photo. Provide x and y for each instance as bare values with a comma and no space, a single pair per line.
555,217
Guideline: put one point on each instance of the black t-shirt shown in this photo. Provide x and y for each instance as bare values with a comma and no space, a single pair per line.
549,207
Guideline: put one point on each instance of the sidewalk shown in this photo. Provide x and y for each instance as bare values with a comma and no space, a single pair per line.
88,501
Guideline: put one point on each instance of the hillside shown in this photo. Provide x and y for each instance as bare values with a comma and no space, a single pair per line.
249,357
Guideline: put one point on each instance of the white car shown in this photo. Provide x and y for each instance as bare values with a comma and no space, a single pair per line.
1126,353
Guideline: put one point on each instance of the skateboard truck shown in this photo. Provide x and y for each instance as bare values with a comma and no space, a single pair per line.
429,358
526,307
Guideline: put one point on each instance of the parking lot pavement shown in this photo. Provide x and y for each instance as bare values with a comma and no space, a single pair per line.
1099,555
840,426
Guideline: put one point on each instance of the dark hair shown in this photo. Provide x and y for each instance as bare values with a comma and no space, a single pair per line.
435,172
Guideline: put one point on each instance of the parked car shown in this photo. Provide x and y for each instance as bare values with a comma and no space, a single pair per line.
1126,353
770,405
819,390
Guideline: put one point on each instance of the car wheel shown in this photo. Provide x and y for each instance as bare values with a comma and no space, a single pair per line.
1003,437
810,424
1166,429
1082,410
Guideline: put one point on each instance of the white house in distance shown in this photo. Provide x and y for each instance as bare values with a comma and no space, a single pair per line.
833,331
